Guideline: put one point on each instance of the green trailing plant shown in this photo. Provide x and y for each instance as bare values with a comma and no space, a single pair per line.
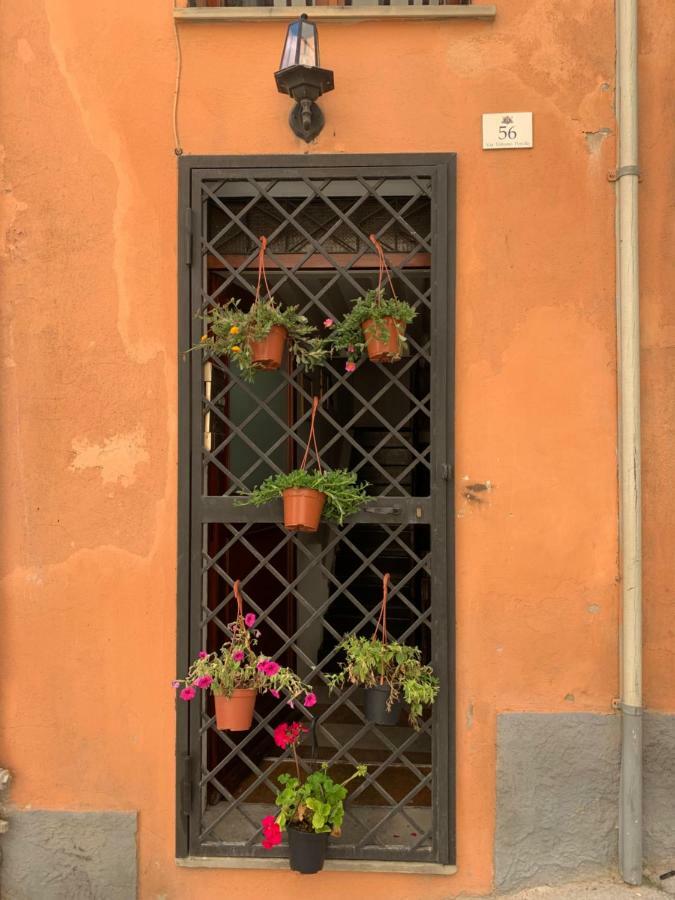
230,330
344,494
373,662
347,335
315,804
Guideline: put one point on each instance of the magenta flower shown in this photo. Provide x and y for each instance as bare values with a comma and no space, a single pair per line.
328,323
202,654
310,700
350,348
272,668
249,620
238,655
175,684
291,704
275,694
350,366
204,681
262,665
188,693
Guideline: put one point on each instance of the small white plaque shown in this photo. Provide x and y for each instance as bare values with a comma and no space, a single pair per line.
503,131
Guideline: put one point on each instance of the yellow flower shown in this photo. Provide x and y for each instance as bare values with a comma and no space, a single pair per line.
236,349
203,338
234,329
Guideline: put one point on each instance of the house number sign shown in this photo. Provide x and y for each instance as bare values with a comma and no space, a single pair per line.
502,131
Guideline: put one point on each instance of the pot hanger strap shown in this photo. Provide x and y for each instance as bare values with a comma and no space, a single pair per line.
384,268
382,619
312,439
240,602
262,274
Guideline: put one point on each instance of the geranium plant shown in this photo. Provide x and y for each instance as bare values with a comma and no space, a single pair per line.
372,663
312,806
381,314
233,333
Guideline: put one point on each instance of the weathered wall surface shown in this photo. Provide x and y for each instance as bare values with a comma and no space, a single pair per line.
88,205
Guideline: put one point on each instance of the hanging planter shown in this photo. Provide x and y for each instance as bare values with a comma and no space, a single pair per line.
307,496
376,324
391,673
236,674
255,340
311,808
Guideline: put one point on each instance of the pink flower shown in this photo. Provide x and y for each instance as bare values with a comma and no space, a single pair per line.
271,668
261,665
328,323
275,694
310,700
268,821
291,704
249,620
175,684
350,366
202,654
187,693
238,655
271,833
350,348
204,681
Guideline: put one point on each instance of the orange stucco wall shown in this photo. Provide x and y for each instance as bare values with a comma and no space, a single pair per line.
89,368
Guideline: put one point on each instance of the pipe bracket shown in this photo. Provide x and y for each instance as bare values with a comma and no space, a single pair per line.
624,170
626,709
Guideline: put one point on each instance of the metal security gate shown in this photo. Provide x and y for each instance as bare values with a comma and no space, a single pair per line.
390,423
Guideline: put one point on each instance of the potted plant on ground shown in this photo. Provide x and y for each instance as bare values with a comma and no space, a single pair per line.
376,323
307,495
310,809
389,672
236,674
255,339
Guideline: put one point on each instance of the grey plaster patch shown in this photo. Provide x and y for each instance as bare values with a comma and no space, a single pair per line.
658,782
55,855
557,797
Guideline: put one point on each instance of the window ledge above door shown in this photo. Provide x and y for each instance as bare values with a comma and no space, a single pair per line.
331,13
331,865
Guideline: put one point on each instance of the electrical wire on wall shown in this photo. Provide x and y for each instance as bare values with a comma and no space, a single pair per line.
177,149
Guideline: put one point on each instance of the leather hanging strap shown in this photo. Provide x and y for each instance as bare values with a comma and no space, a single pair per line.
262,274
240,602
384,268
312,439
382,620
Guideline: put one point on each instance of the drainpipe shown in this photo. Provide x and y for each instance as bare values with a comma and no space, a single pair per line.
630,537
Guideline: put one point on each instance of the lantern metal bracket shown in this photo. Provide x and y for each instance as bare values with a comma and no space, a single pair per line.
306,120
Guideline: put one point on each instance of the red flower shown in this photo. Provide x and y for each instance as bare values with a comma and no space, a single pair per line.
271,833
286,735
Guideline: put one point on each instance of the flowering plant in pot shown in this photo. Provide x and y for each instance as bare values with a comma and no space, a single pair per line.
236,674
311,809
391,673
376,323
333,493
255,339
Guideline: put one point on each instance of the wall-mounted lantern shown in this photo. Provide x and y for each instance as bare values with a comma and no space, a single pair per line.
300,76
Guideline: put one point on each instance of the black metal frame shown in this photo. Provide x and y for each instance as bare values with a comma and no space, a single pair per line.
194,509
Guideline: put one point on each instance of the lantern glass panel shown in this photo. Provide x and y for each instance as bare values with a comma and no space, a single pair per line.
302,45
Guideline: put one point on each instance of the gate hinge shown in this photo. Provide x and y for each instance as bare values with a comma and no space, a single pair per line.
186,788
188,236
446,471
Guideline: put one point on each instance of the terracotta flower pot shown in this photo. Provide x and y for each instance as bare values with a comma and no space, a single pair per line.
235,713
303,508
307,850
267,353
386,350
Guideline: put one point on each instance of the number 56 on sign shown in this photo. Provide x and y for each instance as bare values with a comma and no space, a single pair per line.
502,131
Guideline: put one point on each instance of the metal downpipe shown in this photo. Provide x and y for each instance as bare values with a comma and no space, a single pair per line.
630,504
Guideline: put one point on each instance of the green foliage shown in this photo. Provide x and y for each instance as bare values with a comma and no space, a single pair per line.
370,663
344,495
316,803
347,335
238,665
229,331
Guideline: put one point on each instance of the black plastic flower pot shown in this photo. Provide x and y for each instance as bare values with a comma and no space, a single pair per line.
375,705
308,850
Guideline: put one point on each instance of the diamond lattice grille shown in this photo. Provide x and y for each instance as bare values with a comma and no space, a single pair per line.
308,591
